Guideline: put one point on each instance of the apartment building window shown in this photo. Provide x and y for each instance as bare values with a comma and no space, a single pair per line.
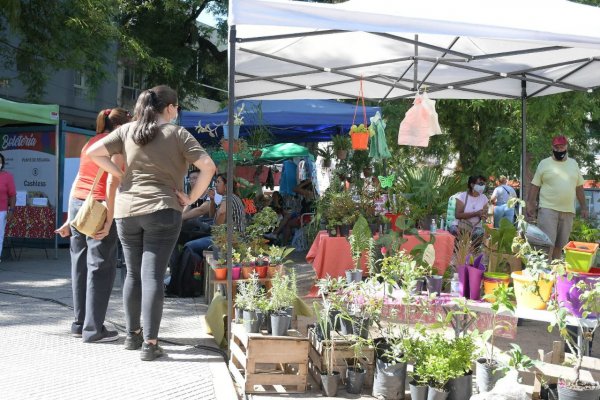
132,85
79,84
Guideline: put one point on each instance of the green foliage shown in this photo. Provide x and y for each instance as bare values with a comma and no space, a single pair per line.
250,295
427,190
283,292
341,142
361,240
584,231
263,222
260,134
502,238
518,360
338,208
503,298
277,254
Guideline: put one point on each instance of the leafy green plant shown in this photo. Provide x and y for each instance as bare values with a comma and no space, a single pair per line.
518,360
341,210
219,237
584,231
501,239
277,254
283,292
590,304
361,241
341,142
427,190
327,155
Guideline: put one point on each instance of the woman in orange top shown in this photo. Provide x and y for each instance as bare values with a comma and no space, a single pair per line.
94,259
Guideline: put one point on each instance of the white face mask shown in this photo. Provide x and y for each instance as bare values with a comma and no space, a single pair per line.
479,188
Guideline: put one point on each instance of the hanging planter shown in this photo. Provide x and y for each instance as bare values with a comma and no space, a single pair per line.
360,134
236,132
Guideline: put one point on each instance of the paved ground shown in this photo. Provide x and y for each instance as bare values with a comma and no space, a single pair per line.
40,360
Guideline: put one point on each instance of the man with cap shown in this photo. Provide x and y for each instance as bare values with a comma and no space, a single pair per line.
558,181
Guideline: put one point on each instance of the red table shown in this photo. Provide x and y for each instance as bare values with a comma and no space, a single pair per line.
332,256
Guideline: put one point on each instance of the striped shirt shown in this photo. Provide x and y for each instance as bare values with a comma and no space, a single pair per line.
237,211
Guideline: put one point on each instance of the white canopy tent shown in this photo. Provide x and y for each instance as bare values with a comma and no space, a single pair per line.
458,49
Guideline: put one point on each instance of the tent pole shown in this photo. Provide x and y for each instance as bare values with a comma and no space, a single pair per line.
415,66
523,136
230,178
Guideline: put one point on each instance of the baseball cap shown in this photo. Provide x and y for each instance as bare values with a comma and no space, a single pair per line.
559,141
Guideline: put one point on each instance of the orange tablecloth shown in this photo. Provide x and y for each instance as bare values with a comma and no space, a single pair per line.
32,223
331,255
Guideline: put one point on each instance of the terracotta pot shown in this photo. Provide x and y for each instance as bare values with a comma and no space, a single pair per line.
257,153
246,272
273,270
220,273
225,145
261,271
342,154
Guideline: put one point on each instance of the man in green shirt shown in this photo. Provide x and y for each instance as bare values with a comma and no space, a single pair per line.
558,181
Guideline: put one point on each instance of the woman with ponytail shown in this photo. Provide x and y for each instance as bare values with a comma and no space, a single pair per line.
149,204
93,259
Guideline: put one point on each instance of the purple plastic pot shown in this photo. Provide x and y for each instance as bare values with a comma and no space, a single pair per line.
463,282
475,278
235,273
568,293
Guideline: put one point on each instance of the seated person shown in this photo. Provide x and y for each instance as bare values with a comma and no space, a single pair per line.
195,216
471,208
193,250
300,204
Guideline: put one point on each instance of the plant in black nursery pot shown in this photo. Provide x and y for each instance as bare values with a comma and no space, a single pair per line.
361,242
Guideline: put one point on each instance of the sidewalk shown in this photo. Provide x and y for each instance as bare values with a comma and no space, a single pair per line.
40,360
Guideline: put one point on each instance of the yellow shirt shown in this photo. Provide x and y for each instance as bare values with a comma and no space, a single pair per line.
557,181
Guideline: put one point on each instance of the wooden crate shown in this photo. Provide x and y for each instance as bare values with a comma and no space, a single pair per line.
551,370
262,363
343,355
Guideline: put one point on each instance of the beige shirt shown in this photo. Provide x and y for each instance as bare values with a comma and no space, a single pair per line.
152,171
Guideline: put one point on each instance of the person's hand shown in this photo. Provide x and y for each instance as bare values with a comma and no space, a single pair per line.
584,213
183,198
102,233
64,230
211,194
530,212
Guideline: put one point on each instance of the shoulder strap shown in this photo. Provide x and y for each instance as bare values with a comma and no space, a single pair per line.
96,180
466,199
505,189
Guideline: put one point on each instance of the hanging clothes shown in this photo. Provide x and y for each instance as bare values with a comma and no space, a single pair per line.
378,148
270,182
288,180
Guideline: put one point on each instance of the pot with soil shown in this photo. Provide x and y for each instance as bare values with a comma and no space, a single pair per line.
487,374
330,383
355,379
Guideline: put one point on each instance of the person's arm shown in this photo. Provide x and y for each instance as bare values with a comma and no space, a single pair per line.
221,213
99,154
111,191
494,196
532,200
582,204
207,169
195,212
65,229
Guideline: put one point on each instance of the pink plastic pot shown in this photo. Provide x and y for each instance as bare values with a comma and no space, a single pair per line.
568,293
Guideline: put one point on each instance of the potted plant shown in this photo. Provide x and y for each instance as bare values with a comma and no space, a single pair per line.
283,294
416,349
359,134
253,296
427,190
361,242
277,256
390,363
341,212
260,135
219,268
238,120
355,373
488,370
462,353
575,388
363,306
499,248
341,145
262,223
326,155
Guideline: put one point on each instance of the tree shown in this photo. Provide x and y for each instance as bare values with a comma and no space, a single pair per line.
161,38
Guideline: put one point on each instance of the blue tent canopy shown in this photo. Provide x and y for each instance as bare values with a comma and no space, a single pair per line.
289,120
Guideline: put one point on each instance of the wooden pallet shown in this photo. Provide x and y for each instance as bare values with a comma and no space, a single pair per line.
262,363
343,355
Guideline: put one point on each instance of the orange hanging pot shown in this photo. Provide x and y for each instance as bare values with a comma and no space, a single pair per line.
360,140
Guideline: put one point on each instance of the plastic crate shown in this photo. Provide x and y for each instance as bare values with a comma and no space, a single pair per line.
580,255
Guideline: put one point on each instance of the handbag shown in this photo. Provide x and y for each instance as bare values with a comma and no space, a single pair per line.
91,216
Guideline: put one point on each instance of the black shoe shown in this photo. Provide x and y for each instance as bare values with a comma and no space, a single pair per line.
105,336
151,351
76,329
134,341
